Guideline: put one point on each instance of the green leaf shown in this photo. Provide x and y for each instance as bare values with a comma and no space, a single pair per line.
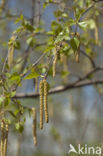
17,45
12,113
57,13
30,41
27,26
7,101
12,94
64,15
78,13
63,35
91,24
19,19
19,126
15,77
32,75
64,73
71,22
49,48
83,24
74,42
46,3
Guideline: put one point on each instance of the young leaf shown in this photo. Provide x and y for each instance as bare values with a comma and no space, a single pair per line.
74,42
32,75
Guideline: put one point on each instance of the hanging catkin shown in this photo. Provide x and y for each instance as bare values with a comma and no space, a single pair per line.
10,56
11,50
96,33
77,52
41,88
34,126
6,139
54,62
77,55
2,138
46,100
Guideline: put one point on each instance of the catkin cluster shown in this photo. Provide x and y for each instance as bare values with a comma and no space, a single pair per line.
4,138
43,87
34,126
77,55
46,100
56,53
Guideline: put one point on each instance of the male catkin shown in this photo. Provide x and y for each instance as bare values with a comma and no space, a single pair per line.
96,33
2,138
34,126
46,100
11,50
77,52
77,55
54,62
10,56
41,88
6,139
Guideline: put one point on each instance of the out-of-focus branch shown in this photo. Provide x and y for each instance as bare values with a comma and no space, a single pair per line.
13,16
96,1
33,8
39,12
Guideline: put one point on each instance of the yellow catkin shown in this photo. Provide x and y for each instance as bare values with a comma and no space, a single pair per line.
41,88
96,33
34,126
2,138
6,139
54,62
46,100
77,52
10,56
77,55
11,50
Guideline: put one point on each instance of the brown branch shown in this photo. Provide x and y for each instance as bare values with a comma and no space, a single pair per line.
77,84
61,88
96,1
